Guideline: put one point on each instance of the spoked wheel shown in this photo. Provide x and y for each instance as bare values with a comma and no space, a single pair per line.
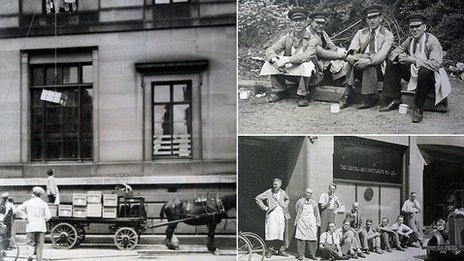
64,235
11,253
126,238
80,234
244,249
257,244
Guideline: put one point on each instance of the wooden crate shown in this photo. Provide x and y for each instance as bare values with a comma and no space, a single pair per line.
79,199
80,212
53,209
65,211
110,200
94,210
110,212
94,197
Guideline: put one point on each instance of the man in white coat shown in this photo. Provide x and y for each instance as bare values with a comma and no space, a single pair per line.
35,211
307,221
418,60
275,202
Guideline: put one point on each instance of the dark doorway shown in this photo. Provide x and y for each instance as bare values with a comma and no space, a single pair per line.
443,181
260,160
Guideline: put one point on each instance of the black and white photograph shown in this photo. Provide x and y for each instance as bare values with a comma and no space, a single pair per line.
350,66
350,197
118,122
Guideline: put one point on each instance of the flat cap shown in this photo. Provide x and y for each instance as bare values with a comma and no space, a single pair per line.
38,191
372,10
416,19
297,13
318,16
5,195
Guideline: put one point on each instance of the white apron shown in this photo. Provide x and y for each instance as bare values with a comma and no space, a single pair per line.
275,223
442,83
306,228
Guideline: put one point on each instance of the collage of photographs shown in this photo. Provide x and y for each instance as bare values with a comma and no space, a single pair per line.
231,130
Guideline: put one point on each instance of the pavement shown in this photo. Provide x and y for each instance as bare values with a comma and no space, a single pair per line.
107,252
257,116
411,254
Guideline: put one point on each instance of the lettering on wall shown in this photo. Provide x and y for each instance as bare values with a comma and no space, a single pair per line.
362,159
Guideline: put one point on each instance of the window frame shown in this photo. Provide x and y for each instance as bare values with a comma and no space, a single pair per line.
44,9
80,86
171,102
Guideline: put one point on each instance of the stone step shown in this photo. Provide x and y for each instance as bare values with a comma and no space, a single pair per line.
328,93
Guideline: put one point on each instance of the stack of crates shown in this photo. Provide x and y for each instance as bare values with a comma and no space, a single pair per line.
94,204
110,203
79,205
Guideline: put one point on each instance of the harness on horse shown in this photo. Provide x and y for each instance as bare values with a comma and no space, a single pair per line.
211,204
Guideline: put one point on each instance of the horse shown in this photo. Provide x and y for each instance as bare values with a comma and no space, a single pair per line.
209,212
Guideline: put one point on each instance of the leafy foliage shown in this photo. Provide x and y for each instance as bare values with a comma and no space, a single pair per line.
263,21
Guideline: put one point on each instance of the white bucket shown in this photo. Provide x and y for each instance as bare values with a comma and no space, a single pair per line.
244,94
403,109
335,108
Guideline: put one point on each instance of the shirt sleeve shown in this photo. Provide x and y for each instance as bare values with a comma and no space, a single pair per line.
47,213
259,200
322,199
277,48
21,210
308,52
323,238
435,59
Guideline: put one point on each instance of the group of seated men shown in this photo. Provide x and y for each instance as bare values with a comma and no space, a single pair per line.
307,54
356,239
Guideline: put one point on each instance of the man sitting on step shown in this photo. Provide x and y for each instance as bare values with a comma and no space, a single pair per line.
419,60
289,59
366,55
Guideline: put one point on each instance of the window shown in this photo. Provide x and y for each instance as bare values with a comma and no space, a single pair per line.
171,9
60,6
62,131
172,119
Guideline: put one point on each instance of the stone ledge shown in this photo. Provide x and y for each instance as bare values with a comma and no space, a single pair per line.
136,180
333,94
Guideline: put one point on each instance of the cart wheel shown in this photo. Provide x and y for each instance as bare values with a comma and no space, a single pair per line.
80,234
257,244
64,235
244,251
126,238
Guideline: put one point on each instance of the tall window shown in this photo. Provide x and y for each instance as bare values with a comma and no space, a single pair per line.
172,119
61,131
171,9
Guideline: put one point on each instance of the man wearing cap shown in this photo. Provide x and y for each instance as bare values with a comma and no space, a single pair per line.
329,56
289,59
6,215
366,55
418,60
35,211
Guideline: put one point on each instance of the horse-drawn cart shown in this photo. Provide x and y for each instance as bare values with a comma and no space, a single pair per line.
131,221
69,232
